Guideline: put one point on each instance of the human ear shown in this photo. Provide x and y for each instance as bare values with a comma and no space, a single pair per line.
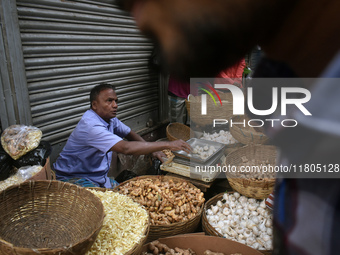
94,105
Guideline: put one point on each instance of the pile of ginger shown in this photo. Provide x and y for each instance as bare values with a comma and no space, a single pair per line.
167,201
158,248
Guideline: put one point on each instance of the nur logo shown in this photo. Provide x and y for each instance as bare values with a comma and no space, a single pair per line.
239,99
204,98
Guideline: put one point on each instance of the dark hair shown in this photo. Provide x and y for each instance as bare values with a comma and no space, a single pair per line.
97,89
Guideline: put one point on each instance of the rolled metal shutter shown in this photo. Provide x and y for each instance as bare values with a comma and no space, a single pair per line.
70,46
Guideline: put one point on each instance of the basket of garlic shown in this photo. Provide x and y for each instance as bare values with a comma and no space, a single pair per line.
175,206
252,170
215,111
238,218
125,227
244,133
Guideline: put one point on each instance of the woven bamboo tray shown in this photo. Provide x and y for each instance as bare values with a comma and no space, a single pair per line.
258,189
159,231
218,111
175,131
137,248
232,147
42,217
210,230
246,134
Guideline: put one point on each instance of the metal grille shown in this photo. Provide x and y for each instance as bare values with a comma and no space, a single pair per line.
70,46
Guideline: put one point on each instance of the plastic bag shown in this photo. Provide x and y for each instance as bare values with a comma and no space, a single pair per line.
6,166
27,172
23,174
155,168
125,175
37,156
17,140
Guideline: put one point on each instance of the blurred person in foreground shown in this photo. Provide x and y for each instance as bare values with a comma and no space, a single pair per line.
300,38
85,160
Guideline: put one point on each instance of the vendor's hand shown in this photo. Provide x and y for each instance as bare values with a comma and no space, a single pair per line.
180,145
160,155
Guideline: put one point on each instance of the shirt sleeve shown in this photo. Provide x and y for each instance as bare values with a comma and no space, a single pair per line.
121,129
101,138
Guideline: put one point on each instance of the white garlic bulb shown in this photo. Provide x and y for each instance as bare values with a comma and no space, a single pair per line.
243,224
255,219
226,211
256,246
239,230
256,231
270,231
239,211
266,238
268,245
214,209
220,224
243,199
250,241
252,200
269,223
251,207
263,204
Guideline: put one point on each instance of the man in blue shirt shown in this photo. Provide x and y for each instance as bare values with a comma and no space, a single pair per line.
86,157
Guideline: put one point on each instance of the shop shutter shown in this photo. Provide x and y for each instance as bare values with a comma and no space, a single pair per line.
70,46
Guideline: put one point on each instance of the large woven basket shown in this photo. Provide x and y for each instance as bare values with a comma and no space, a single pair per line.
258,189
218,111
137,248
246,134
175,131
210,230
48,217
158,231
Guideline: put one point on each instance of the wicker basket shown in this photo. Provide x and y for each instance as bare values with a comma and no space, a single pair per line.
207,228
224,111
210,230
137,248
42,217
258,189
158,231
175,131
232,147
246,134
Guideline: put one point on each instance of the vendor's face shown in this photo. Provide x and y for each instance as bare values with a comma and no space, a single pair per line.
106,104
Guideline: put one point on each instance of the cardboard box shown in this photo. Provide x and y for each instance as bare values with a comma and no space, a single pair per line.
199,243
45,173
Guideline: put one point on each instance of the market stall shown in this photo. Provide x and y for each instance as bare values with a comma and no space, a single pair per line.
146,214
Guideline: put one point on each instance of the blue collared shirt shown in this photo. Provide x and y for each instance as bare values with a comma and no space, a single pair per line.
87,151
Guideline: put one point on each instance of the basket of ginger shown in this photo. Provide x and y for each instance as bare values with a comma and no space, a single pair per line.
196,244
174,205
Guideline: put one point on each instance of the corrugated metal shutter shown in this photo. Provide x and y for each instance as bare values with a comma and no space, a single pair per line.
70,46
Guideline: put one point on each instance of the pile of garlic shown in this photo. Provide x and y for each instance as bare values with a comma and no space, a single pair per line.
203,152
221,137
244,220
